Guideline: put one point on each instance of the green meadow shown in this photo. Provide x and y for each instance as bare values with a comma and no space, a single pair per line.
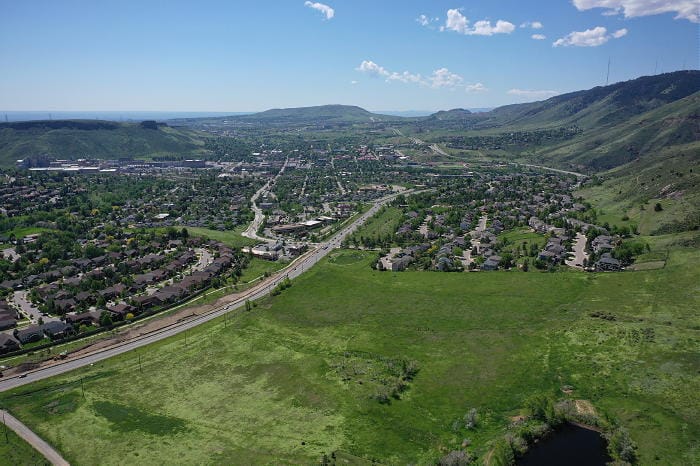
321,368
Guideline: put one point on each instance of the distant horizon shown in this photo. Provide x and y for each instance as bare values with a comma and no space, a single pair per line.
15,116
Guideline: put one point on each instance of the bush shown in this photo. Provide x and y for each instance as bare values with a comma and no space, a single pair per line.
471,419
503,454
621,446
456,458
541,407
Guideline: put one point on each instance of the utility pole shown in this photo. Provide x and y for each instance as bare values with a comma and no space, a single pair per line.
607,77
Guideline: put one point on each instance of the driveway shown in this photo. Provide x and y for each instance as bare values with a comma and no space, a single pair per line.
26,307
579,249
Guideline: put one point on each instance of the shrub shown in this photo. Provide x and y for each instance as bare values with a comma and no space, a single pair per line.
621,446
471,419
456,458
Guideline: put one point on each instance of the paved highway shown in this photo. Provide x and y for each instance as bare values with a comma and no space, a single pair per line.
293,270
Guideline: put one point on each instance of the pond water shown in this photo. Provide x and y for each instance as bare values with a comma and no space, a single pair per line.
570,445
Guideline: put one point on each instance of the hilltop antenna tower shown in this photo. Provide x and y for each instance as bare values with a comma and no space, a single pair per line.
656,65
607,76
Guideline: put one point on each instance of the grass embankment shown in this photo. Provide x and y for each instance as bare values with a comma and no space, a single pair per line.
299,375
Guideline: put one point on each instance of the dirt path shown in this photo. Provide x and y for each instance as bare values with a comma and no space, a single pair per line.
34,440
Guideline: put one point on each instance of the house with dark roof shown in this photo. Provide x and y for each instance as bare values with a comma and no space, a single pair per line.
87,318
30,334
64,305
608,263
119,311
144,302
57,330
8,343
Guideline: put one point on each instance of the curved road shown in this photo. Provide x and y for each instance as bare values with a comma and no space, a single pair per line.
252,230
293,270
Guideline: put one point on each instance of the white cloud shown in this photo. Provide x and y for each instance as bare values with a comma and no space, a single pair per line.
476,87
353,82
538,36
441,78
444,78
684,9
405,77
456,21
325,9
529,94
426,21
372,68
589,38
459,23
532,24
484,28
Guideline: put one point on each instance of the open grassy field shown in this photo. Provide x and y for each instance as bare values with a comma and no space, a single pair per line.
380,226
298,376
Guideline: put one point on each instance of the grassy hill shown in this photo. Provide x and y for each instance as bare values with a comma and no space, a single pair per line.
72,139
318,114
628,194
644,135
600,106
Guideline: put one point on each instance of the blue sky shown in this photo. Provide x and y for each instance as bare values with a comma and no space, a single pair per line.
380,54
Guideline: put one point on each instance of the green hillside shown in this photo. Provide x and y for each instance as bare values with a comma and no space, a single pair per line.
601,106
629,194
606,147
73,139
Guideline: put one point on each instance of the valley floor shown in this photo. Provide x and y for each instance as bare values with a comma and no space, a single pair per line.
300,375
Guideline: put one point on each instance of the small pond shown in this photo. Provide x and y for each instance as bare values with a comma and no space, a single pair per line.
570,445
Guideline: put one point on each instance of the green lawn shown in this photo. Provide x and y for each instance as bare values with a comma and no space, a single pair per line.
21,232
257,268
297,376
231,238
